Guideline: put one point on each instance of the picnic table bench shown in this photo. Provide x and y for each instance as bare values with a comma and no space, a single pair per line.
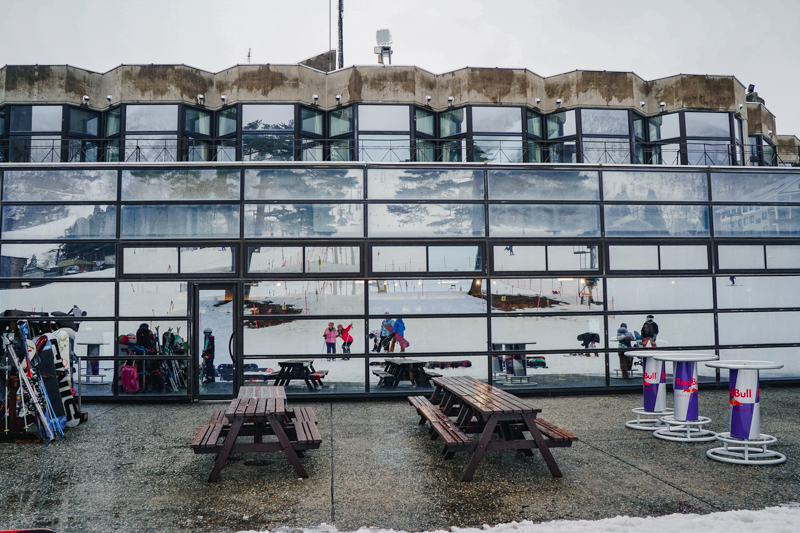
256,412
402,369
481,409
298,369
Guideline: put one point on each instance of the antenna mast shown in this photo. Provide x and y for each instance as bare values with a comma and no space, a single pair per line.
341,35
248,54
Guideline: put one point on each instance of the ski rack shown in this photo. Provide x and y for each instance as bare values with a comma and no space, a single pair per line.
28,387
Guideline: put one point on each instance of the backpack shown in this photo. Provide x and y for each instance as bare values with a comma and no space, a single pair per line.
129,378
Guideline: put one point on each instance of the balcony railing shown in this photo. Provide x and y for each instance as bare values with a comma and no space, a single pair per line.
275,148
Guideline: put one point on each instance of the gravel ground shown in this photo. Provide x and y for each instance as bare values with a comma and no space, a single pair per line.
130,468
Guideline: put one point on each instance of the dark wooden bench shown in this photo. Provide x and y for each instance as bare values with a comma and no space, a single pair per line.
555,437
441,425
206,439
305,426
386,379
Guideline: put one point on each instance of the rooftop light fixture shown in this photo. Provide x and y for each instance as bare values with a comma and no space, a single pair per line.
663,105
109,98
85,98
558,101
201,98
224,99
641,104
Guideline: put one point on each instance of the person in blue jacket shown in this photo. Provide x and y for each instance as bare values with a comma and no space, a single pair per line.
399,330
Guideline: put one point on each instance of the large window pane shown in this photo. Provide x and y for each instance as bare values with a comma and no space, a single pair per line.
709,152
303,184
139,298
95,297
306,297
497,119
59,222
707,124
59,185
566,258
783,256
207,221
544,220
674,331
399,259
151,117
267,147
453,122
741,257
756,221
454,151
84,122
664,127
786,356
425,334
267,117
512,258
750,187
633,257
312,120
113,122
311,150
341,122
384,148
425,184
604,121
666,154
547,333
498,149
180,184
684,257
226,122
153,260
759,328
333,259
535,295
399,297
561,124
655,220
649,294
563,152
303,220
84,260
274,259
425,121
2,121
151,148
426,150
266,335
197,121
652,186
428,220
383,118
208,259
534,124
35,149
755,292
455,259
35,118
606,151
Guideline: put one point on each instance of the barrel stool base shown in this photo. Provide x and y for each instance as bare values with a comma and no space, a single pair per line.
746,452
685,431
647,424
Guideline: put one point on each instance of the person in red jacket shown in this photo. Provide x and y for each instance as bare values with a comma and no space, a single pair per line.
347,339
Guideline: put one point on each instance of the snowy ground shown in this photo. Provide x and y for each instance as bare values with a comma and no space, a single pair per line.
783,519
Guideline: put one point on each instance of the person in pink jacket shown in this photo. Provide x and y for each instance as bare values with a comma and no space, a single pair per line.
330,335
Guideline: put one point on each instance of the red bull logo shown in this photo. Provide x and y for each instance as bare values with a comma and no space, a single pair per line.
686,382
747,393
654,375
690,390
736,403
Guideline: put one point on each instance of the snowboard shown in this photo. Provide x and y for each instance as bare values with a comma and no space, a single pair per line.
64,382
47,371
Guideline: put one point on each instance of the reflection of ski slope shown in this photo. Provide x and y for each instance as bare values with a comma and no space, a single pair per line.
54,229
217,314
96,298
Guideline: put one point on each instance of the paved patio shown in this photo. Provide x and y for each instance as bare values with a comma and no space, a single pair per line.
130,468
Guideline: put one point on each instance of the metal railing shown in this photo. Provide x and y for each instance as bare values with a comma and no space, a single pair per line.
275,148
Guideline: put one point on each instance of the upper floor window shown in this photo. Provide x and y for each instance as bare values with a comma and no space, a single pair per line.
604,122
341,121
2,121
383,118
707,124
113,122
226,121
312,120
561,124
25,119
534,124
197,121
497,119
84,122
664,126
151,117
453,122
267,117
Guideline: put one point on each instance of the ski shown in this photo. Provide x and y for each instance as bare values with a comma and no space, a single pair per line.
27,388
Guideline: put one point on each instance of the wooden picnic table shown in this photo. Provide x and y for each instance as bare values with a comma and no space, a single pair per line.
256,412
482,409
299,369
400,369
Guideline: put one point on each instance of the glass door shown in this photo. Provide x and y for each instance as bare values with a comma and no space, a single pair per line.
215,312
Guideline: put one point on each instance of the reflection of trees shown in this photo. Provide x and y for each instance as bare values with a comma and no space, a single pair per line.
417,184
181,184
450,219
308,184
102,222
538,184
18,217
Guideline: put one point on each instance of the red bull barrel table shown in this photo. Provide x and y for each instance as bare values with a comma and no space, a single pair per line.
685,423
654,391
744,444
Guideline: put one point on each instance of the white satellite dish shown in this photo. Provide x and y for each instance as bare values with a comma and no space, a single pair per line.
384,37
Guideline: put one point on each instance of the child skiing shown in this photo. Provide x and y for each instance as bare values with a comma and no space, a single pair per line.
347,339
330,335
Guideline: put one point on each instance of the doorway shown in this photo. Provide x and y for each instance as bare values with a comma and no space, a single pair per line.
214,336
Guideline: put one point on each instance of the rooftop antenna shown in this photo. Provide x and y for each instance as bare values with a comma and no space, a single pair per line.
341,35
248,54
329,36
384,50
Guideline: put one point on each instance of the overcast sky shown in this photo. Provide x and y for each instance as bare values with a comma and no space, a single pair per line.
758,41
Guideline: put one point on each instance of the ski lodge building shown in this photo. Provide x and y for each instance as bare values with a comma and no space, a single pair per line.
500,214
